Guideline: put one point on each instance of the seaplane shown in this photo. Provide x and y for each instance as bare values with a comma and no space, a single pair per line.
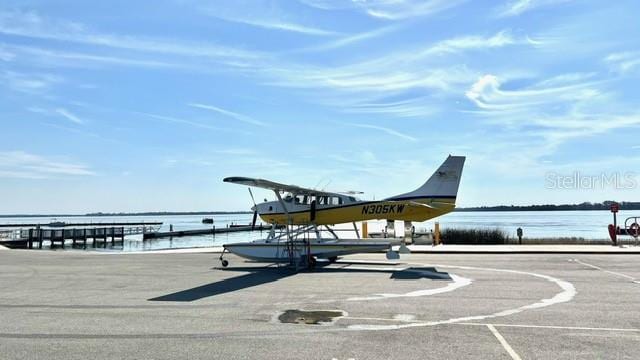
300,218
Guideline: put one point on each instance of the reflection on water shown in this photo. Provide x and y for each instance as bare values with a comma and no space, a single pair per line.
536,224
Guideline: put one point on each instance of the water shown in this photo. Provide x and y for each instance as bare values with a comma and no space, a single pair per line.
539,224
179,222
535,224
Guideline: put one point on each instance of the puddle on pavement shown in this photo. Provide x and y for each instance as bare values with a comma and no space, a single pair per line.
315,317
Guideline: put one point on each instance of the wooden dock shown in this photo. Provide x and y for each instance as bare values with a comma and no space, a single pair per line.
35,238
208,231
82,224
98,236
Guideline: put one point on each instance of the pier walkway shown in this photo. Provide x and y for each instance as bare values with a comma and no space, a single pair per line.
207,231
34,235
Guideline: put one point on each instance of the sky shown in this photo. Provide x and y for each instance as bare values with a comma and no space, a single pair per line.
148,105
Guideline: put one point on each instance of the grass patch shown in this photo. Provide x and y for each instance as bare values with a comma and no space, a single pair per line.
474,236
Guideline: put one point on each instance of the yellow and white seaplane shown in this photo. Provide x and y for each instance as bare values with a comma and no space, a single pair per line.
304,215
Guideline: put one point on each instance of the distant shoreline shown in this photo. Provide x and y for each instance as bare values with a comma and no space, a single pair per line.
156,213
625,205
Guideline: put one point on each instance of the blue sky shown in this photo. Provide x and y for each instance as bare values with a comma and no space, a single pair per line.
136,106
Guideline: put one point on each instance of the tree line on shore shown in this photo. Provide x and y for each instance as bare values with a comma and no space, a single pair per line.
605,205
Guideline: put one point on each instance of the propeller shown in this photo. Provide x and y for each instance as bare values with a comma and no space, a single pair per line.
255,210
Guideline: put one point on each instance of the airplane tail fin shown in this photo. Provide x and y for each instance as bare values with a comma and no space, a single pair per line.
443,183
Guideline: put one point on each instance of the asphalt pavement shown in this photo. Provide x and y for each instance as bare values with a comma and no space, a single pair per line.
84,305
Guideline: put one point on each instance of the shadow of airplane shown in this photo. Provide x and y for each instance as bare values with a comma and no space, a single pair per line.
414,273
255,276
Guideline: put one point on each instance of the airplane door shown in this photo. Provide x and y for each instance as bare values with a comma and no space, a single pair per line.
312,216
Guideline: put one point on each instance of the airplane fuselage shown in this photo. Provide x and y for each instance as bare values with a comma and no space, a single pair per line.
351,210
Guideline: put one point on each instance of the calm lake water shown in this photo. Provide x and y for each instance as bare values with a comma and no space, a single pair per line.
536,224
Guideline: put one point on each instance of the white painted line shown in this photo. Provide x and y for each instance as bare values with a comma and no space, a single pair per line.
405,317
394,319
504,343
458,282
607,271
554,327
567,294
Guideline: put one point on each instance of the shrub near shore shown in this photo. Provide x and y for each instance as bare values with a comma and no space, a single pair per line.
497,236
474,236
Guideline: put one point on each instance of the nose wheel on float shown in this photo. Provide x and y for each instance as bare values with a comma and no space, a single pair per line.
224,262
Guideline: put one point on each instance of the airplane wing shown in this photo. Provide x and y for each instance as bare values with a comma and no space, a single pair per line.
272,185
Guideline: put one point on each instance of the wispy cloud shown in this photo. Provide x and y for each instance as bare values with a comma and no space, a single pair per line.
247,163
518,7
384,129
69,115
263,16
624,62
388,9
23,165
30,24
289,27
556,110
399,71
64,58
57,112
413,107
5,54
473,42
236,151
231,114
353,39
395,10
487,94
175,120
383,85
32,83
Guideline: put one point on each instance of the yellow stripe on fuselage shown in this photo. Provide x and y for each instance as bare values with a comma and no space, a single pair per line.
408,210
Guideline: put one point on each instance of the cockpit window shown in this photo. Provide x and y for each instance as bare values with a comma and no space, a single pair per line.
302,199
